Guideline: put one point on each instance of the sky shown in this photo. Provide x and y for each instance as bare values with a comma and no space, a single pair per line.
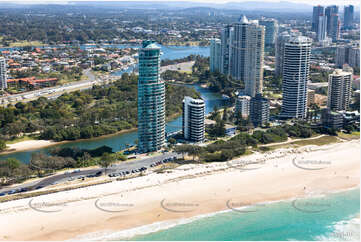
311,2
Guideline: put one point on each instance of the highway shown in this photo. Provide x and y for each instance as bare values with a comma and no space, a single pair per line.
69,176
53,92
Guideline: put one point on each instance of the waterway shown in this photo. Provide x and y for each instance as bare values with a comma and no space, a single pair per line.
120,141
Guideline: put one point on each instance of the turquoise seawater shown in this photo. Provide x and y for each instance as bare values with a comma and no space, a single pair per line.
331,217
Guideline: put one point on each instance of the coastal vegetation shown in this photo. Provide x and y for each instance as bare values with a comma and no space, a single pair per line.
224,150
41,164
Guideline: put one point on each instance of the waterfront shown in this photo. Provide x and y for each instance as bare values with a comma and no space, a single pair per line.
120,141
282,220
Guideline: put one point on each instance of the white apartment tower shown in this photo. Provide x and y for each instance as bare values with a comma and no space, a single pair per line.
3,77
296,66
339,90
226,35
215,55
322,28
246,55
193,119
282,38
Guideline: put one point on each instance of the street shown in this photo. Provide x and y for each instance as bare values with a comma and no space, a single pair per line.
115,168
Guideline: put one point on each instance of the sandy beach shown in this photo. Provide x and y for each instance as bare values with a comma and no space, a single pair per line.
28,145
184,192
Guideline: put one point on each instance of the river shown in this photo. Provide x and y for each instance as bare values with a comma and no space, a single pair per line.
120,141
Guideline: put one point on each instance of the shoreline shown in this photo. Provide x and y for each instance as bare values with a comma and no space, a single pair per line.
38,144
164,225
276,179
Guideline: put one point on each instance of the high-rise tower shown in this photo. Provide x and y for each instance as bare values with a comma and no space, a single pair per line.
317,12
151,99
271,30
247,50
348,16
3,77
339,90
215,55
296,66
193,119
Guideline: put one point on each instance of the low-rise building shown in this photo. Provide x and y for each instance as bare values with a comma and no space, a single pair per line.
310,97
331,119
259,110
243,105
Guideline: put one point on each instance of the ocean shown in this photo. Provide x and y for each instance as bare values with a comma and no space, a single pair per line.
334,216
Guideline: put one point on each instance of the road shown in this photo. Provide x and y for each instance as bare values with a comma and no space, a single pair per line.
56,91
115,168
52,92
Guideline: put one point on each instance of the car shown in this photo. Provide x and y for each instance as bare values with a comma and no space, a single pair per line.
12,192
99,173
24,189
127,172
76,171
2,194
38,187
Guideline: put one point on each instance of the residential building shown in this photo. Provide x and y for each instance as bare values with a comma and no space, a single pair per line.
339,90
259,110
271,31
329,11
193,119
151,99
317,11
348,55
354,57
215,55
310,97
296,66
331,119
3,76
322,28
247,50
334,27
348,16
282,38
226,36
243,105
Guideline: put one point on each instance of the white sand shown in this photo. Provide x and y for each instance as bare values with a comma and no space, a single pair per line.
29,145
190,190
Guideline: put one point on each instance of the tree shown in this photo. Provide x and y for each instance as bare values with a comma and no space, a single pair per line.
225,114
105,161
84,159
2,145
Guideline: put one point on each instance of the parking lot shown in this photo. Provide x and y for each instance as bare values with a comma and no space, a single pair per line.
121,169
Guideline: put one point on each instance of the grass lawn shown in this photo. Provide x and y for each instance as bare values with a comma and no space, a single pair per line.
325,140
353,135
26,43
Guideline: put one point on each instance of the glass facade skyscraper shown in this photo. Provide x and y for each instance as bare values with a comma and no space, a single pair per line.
348,16
151,99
